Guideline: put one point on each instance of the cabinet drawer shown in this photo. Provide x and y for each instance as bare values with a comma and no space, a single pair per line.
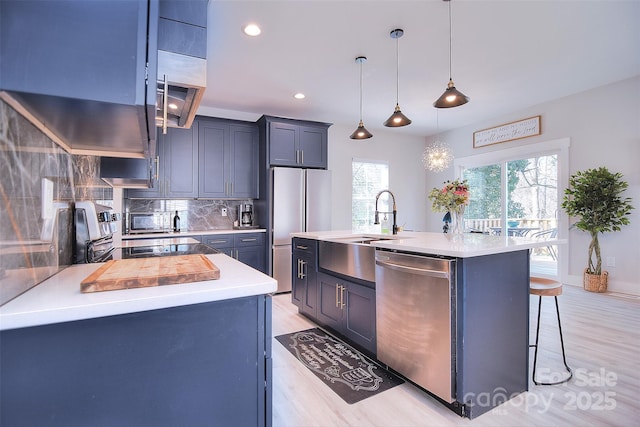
307,246
249,239
218,241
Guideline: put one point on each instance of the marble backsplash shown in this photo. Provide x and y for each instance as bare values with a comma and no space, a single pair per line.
195,215
37,243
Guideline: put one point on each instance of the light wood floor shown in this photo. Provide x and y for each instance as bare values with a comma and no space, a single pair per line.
602,339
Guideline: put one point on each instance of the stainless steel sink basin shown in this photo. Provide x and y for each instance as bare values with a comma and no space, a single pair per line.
351,256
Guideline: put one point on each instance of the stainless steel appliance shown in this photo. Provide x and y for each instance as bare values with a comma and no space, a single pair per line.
415,319
301,202
245,215
94,228
149,222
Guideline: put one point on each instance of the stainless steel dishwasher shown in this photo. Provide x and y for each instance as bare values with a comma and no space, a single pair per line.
415,319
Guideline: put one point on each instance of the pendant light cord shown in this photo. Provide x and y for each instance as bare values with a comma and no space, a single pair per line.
361,90
397,69
449,39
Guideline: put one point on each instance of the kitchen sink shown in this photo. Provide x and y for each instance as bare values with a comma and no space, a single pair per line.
352,256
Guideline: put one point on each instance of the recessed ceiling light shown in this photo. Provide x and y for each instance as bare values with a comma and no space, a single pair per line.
252,30
173,106
299,95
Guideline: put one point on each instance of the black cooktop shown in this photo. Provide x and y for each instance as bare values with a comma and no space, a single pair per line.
168,250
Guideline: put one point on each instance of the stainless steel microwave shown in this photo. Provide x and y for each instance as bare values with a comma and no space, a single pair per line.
149,222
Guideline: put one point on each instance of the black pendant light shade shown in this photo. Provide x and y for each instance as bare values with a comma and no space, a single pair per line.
361,132
397,119
451,97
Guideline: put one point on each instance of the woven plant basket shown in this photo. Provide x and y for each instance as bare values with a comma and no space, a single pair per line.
595,282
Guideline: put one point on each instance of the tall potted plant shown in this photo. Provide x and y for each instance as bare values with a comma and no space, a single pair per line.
595,197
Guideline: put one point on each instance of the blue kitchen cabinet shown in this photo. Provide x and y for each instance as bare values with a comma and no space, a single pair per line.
349,309
195,365
81,67
228,152
248,248
176,167
304,280
182,27
296,143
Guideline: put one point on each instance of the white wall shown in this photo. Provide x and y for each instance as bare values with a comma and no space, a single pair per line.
406,173
603,125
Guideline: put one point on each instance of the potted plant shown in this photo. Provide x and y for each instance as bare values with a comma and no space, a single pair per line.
595,197
451,198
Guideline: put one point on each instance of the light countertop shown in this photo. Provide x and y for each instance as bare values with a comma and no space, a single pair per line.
58,299
189,233
464,246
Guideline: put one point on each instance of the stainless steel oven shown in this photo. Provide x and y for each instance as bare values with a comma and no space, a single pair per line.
149,222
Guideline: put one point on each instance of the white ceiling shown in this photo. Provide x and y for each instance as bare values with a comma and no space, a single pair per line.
507,55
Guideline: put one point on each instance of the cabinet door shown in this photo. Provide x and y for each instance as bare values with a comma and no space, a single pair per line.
329,310
214,159
180,159
243,161
283,144
298,282
360,315
313,147
253,256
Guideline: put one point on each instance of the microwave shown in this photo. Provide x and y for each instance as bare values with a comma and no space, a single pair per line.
149,222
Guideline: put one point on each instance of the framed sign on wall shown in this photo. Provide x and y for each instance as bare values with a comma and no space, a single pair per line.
507,132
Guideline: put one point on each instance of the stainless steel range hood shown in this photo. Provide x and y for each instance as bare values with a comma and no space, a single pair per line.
182,80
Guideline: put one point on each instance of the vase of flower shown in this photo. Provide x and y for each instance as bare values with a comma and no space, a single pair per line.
453,197
457,221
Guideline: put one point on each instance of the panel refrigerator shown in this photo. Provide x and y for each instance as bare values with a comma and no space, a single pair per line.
301,202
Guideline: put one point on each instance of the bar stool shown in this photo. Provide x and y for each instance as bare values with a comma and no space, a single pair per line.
544,288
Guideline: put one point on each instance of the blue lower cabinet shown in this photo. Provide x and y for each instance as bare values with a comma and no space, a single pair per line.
205,364
248,248
348,308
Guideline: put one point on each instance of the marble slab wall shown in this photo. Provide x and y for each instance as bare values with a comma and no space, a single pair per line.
37,243
195,215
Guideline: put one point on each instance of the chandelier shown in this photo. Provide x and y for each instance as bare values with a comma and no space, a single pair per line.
437,156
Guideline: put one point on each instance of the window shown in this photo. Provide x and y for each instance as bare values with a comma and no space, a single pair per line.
369,177
517,192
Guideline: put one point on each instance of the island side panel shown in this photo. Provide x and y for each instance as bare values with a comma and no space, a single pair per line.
493,330
202,364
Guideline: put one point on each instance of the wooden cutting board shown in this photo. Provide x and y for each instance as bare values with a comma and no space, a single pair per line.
153,271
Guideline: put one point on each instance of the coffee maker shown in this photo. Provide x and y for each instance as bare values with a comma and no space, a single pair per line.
245,215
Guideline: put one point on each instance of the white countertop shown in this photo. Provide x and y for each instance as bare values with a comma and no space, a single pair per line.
464,246
58,299
190,233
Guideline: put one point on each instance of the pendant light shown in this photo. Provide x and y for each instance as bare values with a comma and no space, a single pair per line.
437,156
361,132
451,97
397,119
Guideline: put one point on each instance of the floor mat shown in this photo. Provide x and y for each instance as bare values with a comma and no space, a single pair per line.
350,374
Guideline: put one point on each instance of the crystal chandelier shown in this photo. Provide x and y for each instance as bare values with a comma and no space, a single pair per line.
437,156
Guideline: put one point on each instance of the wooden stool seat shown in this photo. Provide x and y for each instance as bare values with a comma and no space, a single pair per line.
547,288
544,287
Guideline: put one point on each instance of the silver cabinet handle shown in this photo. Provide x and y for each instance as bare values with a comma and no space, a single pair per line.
157,169
249,240
218,241
337,295
302,156
302,247
165,103
342,304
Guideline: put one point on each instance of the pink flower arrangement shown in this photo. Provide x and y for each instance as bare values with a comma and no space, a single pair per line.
453,196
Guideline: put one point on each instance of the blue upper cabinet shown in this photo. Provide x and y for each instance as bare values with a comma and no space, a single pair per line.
228,159
295,143
183,27
81,67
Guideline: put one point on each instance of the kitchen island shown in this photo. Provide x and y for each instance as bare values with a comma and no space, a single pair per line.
185,354
465,335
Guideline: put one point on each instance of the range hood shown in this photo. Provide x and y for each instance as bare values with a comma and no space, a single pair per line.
182,80
126,173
